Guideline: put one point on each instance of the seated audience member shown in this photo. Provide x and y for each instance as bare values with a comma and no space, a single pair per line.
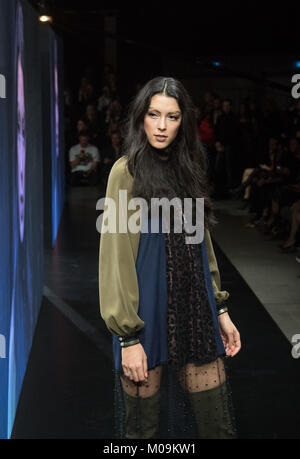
226,134
293,120
216,110
246,139
205,130
207,103
80,126
93,123
113,116
84,161
281,188
110,155
206,135
266,187
290,244
253,177
104,100
86,91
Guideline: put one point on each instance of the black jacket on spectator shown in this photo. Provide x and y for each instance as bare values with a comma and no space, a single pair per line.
226,130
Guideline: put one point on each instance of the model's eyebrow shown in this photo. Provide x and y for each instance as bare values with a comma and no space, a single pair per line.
170,113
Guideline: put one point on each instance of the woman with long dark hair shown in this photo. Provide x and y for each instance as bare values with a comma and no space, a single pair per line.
160,296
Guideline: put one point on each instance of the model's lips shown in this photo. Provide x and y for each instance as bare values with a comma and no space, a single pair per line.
161,138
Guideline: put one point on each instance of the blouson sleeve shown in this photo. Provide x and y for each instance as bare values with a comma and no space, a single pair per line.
118,284
220,295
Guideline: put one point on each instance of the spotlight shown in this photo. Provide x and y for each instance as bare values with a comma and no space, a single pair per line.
217,63
45,18
297,64
44,13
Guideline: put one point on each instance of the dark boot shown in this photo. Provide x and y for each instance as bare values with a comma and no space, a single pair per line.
142,416
211,412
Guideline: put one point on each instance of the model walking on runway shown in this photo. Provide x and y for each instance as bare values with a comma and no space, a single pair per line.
161,297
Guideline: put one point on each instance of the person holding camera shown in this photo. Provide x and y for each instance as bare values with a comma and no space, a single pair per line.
84,161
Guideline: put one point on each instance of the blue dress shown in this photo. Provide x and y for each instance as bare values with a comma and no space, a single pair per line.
153,299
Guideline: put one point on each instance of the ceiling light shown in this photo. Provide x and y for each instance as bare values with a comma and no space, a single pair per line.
44,13
45,18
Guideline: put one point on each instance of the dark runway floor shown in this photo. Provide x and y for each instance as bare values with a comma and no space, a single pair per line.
67,389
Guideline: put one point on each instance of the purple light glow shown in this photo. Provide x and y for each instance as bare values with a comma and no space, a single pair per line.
21,144
56,103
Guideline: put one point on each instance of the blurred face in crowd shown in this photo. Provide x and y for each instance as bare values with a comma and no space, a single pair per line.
219,146
90,111
84,81
242,109
197,113
279,149
162,121
226,106
106,91
252,106
83,140
293,145
297,153
273,144
208,97
81,126
116,107
89,90
217,103
115,139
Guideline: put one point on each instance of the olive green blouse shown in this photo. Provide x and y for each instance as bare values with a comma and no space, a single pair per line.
118,283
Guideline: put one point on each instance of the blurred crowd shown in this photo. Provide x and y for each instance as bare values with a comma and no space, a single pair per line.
253,151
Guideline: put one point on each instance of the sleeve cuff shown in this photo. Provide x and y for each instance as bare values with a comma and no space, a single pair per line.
222,305
127,338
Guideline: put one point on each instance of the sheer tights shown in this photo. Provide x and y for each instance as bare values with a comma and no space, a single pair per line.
205,386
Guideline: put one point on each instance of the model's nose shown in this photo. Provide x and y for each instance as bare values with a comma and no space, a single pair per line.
162,124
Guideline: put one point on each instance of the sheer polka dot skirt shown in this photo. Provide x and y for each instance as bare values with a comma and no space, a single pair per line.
190,402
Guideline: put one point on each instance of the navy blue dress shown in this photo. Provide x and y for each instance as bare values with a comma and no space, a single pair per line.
153,300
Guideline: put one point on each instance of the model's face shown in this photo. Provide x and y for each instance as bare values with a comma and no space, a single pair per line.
162,121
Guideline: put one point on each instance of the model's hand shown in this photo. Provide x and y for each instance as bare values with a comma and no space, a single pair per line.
134,362
229,334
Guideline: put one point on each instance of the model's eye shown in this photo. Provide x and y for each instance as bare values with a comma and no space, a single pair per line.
173,117
153,115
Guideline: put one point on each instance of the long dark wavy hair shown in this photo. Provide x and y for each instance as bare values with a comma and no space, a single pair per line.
185,172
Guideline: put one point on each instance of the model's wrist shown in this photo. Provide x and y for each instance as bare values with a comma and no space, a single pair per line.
129,340
223,316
